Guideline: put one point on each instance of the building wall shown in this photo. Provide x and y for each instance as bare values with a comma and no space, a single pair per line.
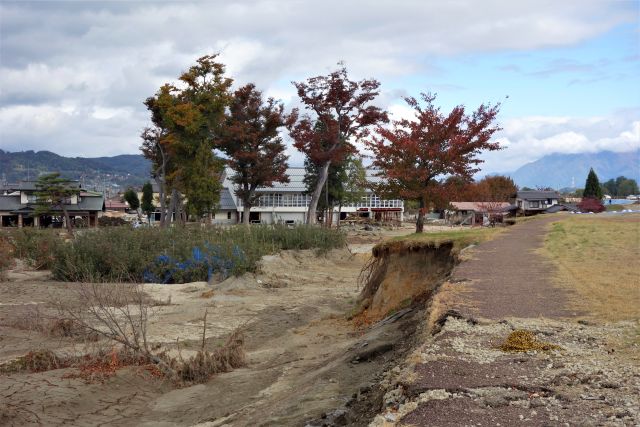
222,217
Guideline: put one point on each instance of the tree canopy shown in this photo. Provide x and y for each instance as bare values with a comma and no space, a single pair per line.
251,140
54,192
131,197
341,113
413,155
592,188
186,120
621,187
147,200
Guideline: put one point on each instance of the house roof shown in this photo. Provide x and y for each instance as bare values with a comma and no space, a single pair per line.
562,207
296,180
90,203
226,200
87,203
31,186
537,195
116,204
479,206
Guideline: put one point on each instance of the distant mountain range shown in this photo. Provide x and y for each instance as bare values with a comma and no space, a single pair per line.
555,170
123,170
561,170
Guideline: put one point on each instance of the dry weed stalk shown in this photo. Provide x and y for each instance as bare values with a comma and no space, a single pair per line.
120,313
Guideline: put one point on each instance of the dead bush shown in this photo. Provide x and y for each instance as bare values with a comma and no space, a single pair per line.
33,319
204,364
116,311
35,361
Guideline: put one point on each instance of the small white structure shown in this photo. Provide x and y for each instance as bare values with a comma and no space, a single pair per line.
288,204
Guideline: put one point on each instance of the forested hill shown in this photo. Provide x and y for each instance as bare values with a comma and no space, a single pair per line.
126,169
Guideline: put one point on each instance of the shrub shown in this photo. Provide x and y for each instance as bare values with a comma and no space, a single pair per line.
37,247
591,205
180,254
6,256
108,221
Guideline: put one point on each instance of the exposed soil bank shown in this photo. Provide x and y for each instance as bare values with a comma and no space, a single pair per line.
399,274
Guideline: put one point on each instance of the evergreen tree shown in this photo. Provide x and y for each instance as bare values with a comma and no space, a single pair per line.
147,200
131,197
592,189
53,192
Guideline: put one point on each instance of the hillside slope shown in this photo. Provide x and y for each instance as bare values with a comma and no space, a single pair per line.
558,170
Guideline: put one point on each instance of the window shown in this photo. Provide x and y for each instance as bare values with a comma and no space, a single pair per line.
228,215
534,204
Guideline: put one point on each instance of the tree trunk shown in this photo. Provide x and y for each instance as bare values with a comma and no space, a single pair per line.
245,213
172,205
163,202
67,220
339,214
182,214
420,220
315,197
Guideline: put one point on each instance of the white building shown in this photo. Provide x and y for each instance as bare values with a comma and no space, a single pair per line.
288,204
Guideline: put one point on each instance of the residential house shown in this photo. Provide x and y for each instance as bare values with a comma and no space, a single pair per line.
17,207
535,202
476,213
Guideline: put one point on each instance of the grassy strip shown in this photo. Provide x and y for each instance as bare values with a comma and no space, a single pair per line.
117,254
597,256
460,237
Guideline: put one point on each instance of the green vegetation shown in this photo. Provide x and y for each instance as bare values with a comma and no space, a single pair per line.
461,237
147,200
35,246
53,192
592,188
621,187
597,258
131,197
117,254
615,208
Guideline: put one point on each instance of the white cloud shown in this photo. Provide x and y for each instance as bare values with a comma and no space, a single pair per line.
527,139
74,75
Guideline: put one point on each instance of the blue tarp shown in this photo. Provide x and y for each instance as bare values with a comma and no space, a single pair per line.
210,259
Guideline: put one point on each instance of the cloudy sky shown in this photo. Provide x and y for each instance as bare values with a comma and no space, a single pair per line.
73,75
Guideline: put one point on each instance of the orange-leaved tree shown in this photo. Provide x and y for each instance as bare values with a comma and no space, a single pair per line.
341,113
412,155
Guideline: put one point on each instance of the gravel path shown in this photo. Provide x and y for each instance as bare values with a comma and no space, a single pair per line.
507,278
460,377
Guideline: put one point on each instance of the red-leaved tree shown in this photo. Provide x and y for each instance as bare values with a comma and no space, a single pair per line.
250,138
413,154
342,108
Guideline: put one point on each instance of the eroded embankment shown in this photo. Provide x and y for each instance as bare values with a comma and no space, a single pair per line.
402,273
398,283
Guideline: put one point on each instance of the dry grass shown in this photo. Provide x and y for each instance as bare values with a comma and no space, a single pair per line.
520,341
597,256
